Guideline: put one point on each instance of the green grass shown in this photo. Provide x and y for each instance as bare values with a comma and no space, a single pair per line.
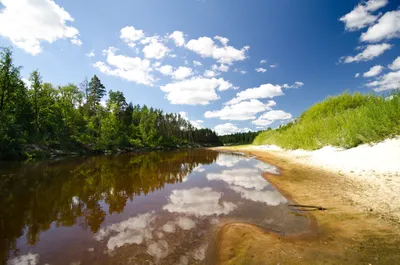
345,121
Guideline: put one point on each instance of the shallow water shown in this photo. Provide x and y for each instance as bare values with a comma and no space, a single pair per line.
152,208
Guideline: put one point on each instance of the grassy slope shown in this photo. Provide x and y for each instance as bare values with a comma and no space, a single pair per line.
345,121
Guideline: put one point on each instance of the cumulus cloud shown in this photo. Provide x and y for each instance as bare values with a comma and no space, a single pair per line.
361,16
395,65
261,70
206,47
297,84
209,73
197,63
386,82
357,75
90,54
178,38
273,65
249,178
132,69
224,41
198,202
195,91
369,53
228,160
221,67
269,197
374,71
27,23
388,27
263,61
244,110
130,35
155,49
195,123
166,70
270,117
182,72
263,91
135,230
228,128
27,259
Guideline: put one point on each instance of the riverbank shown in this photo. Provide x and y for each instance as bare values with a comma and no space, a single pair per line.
349,232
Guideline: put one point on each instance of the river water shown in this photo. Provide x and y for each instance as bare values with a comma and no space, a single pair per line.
151,208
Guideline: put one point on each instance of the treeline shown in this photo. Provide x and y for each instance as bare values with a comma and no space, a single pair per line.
346,120
238,138
71,117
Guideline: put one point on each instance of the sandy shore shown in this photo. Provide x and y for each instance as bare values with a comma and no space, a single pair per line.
373,172
357,228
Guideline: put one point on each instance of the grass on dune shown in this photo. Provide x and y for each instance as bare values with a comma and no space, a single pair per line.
345,121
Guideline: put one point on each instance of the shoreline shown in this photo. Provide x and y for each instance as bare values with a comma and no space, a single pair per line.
347,232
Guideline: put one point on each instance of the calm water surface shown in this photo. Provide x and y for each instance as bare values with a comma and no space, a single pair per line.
153,208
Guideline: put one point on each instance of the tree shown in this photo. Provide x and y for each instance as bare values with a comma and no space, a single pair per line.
96,92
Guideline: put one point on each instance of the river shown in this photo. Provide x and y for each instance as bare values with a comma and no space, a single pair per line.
150,208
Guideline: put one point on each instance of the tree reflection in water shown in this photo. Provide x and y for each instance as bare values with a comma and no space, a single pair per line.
66,193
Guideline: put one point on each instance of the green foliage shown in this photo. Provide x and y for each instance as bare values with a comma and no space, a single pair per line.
345,121
72,118
238,138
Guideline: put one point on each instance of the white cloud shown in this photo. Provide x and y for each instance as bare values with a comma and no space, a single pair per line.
270,117
243,72
178,37
195,123
198,202
374,71
249,178
224,41
27,82
228,160
166,69
221,68
155,49
209,73
185,223
263,61
263,91
244,110
158,250
206,47
132,69
227,128
357,75
297,84
386,82
182,72
135,230
273,65
130,35
197,63
395,65
27,23
388,27
361,16
90,54
27,259
261,70
270,197
195,91
369,53
156,64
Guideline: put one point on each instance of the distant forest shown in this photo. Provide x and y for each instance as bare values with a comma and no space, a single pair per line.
238,138
70,117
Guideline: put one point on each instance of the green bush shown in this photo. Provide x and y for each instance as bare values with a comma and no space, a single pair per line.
345,121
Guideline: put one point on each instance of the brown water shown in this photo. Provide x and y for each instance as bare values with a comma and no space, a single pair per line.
152,208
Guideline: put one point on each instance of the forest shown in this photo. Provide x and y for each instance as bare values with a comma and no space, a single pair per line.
71,118
238,138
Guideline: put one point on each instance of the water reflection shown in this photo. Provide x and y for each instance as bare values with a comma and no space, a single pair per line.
160,208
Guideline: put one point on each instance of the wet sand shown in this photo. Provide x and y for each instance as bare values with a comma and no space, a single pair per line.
344,234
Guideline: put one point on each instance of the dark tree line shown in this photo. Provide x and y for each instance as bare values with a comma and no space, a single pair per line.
238,138
71,117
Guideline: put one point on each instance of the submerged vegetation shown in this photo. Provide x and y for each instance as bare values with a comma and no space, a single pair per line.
344,121
39,117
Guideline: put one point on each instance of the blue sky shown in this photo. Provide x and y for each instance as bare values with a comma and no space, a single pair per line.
147,49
